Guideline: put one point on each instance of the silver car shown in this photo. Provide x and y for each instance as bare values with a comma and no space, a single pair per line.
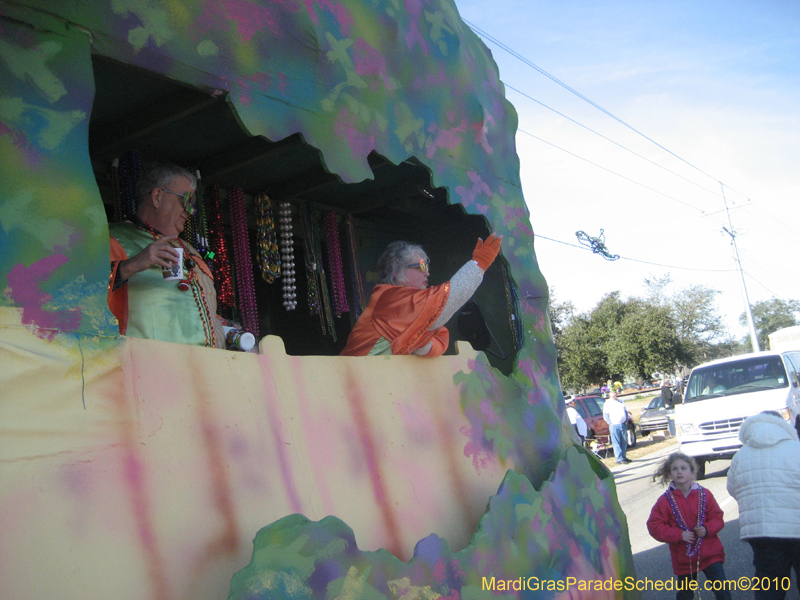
654,417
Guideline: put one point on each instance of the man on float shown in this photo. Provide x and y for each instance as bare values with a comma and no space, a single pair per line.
148,305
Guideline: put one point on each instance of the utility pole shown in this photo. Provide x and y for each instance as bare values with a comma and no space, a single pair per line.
730,231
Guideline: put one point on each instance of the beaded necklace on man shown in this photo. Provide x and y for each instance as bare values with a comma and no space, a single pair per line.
190,282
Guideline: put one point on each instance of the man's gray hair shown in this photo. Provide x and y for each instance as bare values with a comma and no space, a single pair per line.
157,175
395,260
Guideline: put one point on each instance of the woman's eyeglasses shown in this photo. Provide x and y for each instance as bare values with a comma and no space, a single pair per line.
187,199
422,265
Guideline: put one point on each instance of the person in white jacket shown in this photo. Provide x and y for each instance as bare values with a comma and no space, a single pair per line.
764,478
576,420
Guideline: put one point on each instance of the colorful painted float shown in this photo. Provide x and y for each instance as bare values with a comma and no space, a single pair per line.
134,468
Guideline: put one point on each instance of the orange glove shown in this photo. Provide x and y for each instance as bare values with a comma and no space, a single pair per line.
485,252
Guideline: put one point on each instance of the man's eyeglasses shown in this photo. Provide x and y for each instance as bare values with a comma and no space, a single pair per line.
422,265
187,199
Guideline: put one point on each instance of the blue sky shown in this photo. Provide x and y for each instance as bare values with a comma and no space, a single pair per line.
717,84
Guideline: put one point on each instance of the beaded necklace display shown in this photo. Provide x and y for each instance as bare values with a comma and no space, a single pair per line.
692,549
359,302
269,262
335,267
244,262
222,265
129,170
314,300
118,212
202,236
287,256
190,282
189,228
513,306
315,251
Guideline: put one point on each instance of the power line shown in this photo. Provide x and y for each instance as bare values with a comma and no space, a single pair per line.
762,268
792,231
765,287
553,78
615,173
524,60
536,235
608,139
480,32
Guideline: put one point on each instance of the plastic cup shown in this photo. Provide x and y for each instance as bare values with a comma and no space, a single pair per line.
175,271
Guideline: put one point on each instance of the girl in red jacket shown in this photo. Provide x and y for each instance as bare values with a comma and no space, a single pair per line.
687,517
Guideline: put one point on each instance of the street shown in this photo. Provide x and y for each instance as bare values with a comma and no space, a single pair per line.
637,494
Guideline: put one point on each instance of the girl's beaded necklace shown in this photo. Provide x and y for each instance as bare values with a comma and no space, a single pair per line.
693,549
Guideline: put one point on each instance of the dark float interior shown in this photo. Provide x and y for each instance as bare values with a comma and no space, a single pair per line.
164,120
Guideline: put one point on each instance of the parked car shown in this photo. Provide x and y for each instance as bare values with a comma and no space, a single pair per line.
654,417
591,409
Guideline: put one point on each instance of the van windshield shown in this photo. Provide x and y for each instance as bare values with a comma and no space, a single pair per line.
736,377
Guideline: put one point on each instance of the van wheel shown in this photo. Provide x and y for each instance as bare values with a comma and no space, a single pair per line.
631,436
701,469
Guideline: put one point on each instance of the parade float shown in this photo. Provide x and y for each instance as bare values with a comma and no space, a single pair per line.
134,468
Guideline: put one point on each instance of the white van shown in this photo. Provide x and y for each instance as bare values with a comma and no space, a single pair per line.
721,394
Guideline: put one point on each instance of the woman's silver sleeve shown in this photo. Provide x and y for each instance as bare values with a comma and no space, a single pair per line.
462,285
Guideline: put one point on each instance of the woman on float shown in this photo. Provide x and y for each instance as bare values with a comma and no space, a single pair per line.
404,315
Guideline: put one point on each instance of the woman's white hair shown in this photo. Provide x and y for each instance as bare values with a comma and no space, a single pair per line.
395,260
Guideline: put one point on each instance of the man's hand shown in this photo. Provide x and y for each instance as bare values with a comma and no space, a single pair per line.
159,253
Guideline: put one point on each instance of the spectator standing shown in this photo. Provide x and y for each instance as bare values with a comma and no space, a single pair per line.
666,394
764,478
616,415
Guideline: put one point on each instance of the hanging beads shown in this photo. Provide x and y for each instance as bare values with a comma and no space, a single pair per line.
129,170
118,213
287,256
314,257
202,236
314,300
269,261
335,263
222,263
513,307
244,263
359,301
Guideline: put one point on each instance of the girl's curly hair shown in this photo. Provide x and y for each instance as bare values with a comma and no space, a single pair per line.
662,474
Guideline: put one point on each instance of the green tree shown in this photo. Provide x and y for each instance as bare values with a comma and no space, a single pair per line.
561,314
618,338
581,361
771,315
699,325
645,341
637,337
